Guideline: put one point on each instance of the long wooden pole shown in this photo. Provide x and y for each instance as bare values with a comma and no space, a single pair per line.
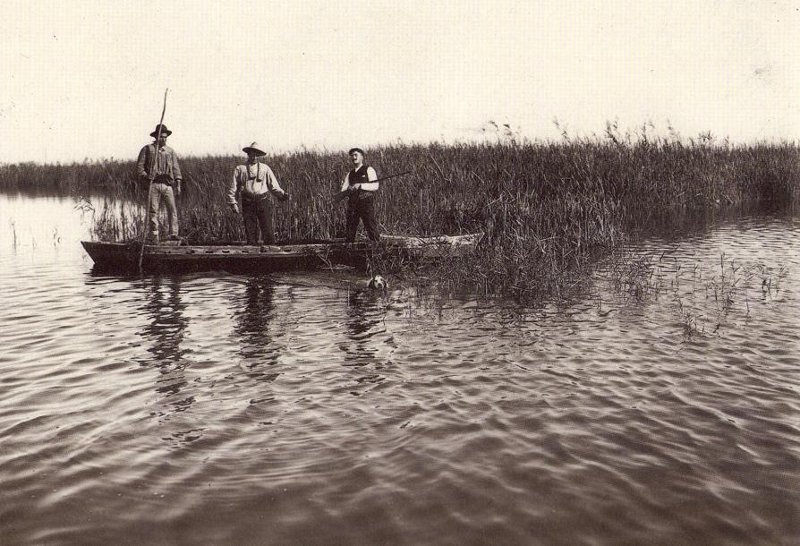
150,182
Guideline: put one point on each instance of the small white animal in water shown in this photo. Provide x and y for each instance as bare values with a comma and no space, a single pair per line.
377,283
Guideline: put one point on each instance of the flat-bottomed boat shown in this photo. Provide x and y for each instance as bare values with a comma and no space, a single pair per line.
177,256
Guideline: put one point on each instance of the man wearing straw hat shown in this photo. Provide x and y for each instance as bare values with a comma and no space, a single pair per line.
161,166
254,181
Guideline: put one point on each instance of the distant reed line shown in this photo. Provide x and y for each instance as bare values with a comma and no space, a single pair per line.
546,208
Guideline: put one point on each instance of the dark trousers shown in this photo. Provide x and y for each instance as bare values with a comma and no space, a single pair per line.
361,207
257,213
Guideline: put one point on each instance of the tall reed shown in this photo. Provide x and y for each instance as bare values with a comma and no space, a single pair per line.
546,208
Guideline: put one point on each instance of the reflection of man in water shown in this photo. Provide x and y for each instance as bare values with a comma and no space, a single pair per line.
363,316
166,330
253,325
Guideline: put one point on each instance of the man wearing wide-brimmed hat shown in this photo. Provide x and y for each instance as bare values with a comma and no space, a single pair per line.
254,182
158,166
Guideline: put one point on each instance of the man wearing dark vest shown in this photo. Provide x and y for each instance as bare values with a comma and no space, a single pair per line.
361,204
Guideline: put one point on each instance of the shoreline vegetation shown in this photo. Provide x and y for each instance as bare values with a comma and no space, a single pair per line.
547,209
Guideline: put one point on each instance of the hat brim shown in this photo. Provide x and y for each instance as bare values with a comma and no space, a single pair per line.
154,134
256,151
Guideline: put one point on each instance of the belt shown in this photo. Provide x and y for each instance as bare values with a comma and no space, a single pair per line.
162,179
254,196
362,195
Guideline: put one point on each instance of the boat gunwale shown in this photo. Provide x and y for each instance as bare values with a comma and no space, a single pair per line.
114,255
398,241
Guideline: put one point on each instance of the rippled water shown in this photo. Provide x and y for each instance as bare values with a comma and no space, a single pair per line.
227,409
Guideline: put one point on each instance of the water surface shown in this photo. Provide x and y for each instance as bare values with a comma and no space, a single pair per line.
293,408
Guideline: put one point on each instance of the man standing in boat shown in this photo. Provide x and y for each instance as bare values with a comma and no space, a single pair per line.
159,163
360,184
254,181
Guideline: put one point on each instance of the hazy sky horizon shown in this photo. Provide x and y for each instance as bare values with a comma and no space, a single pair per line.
87,79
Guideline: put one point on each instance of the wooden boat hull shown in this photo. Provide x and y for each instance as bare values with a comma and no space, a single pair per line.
124,257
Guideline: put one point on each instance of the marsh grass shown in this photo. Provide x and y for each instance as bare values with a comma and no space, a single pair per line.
704,299
547,209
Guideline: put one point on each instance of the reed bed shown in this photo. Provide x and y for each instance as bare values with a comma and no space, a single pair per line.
547,209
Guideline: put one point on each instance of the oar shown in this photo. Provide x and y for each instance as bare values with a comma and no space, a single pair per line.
153,167
342,194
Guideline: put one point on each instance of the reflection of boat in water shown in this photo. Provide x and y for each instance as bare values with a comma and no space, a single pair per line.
124,257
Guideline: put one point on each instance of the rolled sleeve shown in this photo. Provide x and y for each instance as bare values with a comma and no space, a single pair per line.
233,187
176,167
371,175
273,182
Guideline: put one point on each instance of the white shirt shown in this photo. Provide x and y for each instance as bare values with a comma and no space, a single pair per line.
370,186
253,179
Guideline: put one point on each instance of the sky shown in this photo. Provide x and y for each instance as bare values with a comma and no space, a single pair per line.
86,79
